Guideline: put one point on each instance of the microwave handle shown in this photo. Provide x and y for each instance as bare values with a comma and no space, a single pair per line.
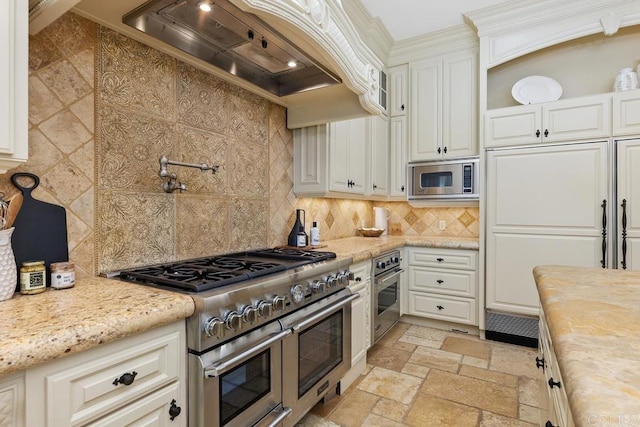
220,368
324,313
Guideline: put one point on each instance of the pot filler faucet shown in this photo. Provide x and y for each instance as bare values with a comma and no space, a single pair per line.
172,184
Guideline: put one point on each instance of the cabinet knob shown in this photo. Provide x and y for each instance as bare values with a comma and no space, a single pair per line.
546,133
402,188
174,410
439,150
439,281
402,107
439,259
539,363
445,150
549,424
375,186
537,133
553,383
126,379
439,307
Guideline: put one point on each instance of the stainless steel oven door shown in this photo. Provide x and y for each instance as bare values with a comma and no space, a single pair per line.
318,352
237,383
386,303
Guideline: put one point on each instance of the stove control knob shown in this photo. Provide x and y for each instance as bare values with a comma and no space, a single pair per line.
332,281
318,286
343,277
297,294
249,314
381,264
233,320
264,309
395,259
214,328
279,302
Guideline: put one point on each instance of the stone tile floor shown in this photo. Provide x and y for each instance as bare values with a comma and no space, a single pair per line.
418,376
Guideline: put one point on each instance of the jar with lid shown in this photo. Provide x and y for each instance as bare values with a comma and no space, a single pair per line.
33,279
63,275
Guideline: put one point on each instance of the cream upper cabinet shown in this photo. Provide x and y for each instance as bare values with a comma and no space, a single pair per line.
544,206
347,156
398,90
560,121
14,31
12,398
443,112
378,180
398,157
626,113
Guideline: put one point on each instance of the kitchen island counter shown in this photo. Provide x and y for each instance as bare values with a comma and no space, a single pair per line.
593,316
363,248
42,327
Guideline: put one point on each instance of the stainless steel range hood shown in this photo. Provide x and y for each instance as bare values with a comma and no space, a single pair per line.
235,41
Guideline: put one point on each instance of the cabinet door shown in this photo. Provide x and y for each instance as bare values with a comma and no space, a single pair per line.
310,160
357,154
379,139
512,126
626,113
628,174
459,105
12,400
398,156
544,206
14,28
576,119
426,107
339,156
398,90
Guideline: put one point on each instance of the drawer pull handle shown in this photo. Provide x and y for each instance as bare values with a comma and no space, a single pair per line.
174,410
439,307
440,281
126,379
554,383
540,363
439,259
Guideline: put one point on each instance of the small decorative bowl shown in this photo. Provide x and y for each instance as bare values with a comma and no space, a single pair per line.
371,232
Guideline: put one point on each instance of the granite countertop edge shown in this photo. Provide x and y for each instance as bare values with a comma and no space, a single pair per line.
43,327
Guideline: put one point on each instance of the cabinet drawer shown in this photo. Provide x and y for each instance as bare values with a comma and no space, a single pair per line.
443,258
453,309
86,386
152,410
460,283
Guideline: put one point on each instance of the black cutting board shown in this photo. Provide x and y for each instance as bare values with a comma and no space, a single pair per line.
40,228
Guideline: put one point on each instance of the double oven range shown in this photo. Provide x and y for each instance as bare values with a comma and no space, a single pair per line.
271,334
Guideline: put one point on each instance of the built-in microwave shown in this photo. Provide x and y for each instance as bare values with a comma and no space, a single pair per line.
445,179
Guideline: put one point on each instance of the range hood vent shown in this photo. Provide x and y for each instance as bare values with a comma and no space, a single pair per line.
234,41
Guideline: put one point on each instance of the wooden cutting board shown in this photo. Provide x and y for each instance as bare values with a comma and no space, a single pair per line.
40,228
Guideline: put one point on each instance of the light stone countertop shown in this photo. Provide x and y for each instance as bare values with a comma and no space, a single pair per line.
42,327
593,316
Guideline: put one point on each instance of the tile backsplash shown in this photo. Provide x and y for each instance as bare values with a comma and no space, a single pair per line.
103,108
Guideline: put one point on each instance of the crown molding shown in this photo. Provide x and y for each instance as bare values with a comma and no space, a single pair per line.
371,29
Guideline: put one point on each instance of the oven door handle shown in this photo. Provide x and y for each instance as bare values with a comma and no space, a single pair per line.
387,276
223,366
324,313
284,414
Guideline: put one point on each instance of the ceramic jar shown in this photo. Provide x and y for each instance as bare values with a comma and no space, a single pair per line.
8,269
627,79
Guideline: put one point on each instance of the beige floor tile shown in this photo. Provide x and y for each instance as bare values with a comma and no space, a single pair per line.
387,357
529,391
493,420
415,370
391,385
475,362
390,409
394,334
529,414
491,376
433,358
374,420
352,411
468,347
472,392
424,332
313,420
431,411
514,360
425,342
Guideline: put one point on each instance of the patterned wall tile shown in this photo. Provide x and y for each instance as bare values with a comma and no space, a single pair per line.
250,115
135,229
65,182
66,131
248,169
248,224
198,146
136,77
202,225
70,34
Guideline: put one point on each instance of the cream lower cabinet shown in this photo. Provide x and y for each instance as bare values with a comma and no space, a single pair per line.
443,284
360,322
565,120
554,404
136,380
628,199
544,206
12,400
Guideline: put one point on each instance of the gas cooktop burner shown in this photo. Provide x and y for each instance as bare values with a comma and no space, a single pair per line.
201,274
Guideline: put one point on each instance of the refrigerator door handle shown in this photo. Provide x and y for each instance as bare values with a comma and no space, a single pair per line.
624,234
603,262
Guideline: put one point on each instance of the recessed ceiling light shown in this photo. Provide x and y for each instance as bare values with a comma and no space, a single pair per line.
292,64
204,6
